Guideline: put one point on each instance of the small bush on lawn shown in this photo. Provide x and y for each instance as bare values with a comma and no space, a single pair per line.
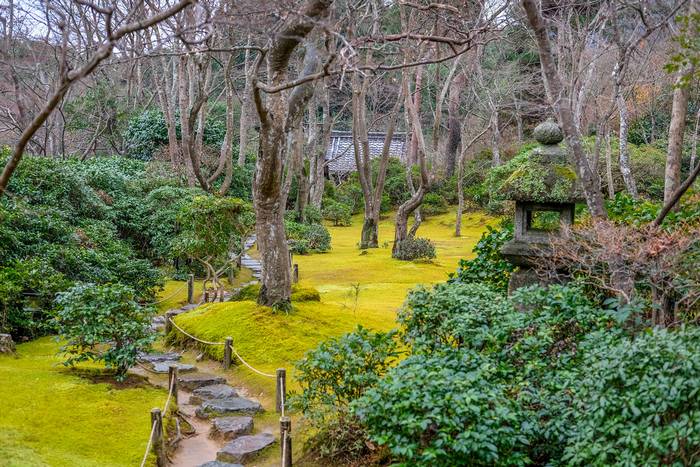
103,323
338,213
415,248
307,238
433,204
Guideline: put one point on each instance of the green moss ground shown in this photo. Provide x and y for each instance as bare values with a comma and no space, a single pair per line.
269,340
49,415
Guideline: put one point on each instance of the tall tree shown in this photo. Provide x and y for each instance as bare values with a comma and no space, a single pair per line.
279,116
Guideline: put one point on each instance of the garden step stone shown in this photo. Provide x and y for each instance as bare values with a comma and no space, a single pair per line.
229,405
215,391
159,357
192,381
245,448
162,367
231,427
220,464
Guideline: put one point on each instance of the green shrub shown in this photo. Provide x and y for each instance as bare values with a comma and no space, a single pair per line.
103,323
299,294
336,212
415,248
637,402
489,266
312,215
433,204
145,134
331,376
445,409
307,238
452,314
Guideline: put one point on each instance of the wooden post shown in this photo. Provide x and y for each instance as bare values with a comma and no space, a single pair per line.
231,274
238,261
158,442
281,392
295,273
291,257
172,381
168,324
286,441
228,347
190,288
221,294
206,296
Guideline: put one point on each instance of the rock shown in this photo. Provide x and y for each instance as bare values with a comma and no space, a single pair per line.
548,132
231,427
220,464
215,391
162,367
245,448
159,357
192,381
7,345
230,405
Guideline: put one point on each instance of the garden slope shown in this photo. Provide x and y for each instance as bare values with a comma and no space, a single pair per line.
52,417
272,340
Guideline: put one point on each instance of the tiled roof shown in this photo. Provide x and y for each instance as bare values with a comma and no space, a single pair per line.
340,155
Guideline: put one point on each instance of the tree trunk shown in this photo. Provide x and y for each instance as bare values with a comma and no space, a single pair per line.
246,110
454,125
608,164
280,115
562,104
694,149
676,131
495,139
625,167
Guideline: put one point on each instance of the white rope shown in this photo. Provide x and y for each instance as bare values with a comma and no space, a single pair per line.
153,428
191,336
148,446
246,364
168,297
280,389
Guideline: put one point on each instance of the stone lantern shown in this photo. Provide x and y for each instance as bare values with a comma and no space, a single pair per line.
545,190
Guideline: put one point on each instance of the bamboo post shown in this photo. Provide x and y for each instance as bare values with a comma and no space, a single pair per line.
190,288
158,442
295,273
286,441
281,392
168,324
172,378
228,347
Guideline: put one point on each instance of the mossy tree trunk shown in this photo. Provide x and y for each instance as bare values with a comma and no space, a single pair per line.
280,115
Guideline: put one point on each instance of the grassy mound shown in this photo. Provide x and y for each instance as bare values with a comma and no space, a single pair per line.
354,289
299,294
52,416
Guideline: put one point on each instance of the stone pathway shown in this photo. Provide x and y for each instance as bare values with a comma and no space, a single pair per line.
248,262
220,417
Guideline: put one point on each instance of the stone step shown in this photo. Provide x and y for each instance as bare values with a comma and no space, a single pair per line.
159,357
226,406
192,381
245,448
162,367
215,391
230,428
220,464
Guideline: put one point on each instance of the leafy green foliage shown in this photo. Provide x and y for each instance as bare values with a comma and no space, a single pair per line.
445,409
145,134
433,204
103,323
337,372
211,228
489,266
638,403
415,248
307,238
338,213
451,314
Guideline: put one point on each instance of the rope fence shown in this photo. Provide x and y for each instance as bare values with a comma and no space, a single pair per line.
156,439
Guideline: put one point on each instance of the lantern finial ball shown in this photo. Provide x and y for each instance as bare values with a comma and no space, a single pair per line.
548,133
